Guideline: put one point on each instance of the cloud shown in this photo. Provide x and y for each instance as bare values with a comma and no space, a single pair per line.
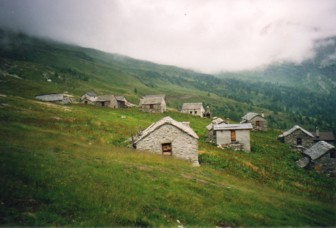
209,36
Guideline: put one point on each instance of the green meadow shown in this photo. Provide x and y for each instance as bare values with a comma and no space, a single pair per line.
72,165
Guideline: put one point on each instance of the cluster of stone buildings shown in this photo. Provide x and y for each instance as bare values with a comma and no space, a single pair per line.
169,137
317,148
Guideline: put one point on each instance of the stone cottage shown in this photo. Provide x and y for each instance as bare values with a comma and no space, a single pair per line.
235,136
153,103
195,109
55,97
297,136
170,138
327,136
211,134
258,121
121,102
88,98
106,101
321,157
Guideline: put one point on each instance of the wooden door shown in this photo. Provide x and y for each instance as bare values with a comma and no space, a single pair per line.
233,135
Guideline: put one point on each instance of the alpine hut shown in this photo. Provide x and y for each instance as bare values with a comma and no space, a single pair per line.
171,138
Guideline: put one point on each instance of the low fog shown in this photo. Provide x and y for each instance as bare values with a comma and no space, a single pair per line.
208,36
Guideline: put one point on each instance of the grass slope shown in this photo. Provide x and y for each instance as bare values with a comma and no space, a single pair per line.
70,166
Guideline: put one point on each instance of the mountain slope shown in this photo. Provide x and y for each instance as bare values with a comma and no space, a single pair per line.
31,66
70,166
317,74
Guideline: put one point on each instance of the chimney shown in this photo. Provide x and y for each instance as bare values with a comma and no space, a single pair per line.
317,133
262,114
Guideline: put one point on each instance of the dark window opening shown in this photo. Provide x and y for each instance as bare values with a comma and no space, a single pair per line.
258,123
195,112
190,112
333,154
151,106
85,102
299,141
167,149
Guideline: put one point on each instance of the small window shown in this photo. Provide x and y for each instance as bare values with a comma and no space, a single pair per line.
299,141
103,104
333,154
195,112
190,112
258,123
151,106
167,149
233,135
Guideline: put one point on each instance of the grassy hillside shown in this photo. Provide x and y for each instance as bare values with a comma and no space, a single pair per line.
71,166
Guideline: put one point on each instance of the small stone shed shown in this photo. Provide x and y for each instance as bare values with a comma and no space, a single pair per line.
321,157
297,136
195,109
171,138
54,97
88,98
235,136
121,102
258,121
153,103
211,134
106,101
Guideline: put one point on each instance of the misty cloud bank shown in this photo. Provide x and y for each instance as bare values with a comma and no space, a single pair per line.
209,36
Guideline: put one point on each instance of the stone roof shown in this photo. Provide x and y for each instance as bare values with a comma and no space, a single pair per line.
296,127
192,106
324,135
223,126
167,120
249,116
91,94
120,98
318,149
152,99
50,97
215,121
104,98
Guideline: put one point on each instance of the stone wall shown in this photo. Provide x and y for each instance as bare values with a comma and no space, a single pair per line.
156,108
184,146
307,141
199,112
262,123
223,138
325,164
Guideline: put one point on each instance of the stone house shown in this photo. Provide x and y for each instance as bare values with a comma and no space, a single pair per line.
327,136
297,137
55,97
153,103
88,98
321,157
258,121
211,134
195,109
235,136
170,138
106,101
121,102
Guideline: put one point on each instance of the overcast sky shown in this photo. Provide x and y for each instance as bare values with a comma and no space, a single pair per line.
205,35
